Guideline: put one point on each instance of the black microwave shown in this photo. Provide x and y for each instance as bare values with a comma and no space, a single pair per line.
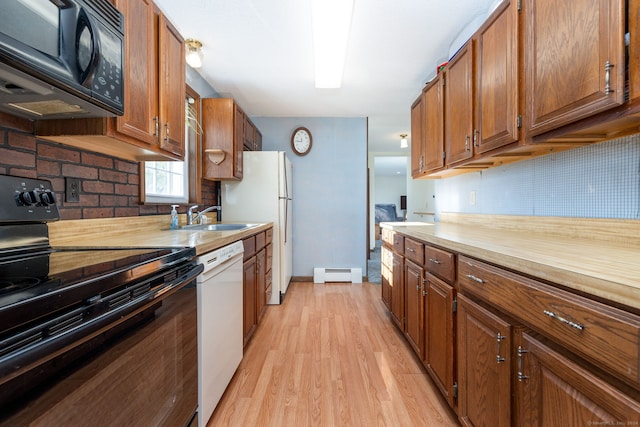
61,59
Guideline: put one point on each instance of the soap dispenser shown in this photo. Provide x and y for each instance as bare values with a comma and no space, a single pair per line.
174,218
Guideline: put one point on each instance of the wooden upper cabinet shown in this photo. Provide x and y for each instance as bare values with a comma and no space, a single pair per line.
223,132
417,145
153,124
141,71
433,125
497,79
574,60
458,110
171,88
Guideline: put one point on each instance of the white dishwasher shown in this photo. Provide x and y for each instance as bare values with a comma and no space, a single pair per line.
219,325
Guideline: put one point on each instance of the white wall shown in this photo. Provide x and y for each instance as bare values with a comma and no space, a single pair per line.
329,186
389,189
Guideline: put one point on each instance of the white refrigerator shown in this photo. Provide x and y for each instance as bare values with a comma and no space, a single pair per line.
265,195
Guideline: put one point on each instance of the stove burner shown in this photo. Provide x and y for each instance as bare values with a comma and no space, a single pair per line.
17,284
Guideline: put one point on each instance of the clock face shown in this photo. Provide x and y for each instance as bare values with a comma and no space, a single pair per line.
301,141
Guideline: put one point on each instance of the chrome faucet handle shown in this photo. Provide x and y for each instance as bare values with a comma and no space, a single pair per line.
190,214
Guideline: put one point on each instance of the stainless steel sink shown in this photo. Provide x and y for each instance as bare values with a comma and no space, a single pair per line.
217,227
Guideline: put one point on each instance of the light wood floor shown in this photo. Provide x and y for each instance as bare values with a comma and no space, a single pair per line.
330,356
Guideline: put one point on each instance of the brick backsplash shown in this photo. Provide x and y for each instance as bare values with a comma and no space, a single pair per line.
109,186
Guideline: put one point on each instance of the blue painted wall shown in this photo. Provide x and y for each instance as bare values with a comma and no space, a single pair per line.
330,189
595,181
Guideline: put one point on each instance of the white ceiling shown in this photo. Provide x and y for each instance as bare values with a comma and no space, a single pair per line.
260,53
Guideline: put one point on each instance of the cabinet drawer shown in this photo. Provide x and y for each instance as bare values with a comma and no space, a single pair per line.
260,240
414,251
249,247
398,243
269,235
387,236
604,335
440,263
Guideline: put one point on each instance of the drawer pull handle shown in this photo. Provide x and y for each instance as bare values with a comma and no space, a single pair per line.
435,261
499,337
521,376
411,250
553,315
474,278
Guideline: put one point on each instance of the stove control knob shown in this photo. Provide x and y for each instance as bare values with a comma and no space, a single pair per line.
28,198
48,198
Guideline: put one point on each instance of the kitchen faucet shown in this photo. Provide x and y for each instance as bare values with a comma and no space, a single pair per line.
191,219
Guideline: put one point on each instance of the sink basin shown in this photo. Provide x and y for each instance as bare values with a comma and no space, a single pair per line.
217,227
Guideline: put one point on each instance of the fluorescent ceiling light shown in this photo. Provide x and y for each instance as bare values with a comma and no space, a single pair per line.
331,22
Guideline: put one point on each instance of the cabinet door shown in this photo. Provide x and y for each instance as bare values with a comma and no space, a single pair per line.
552,390
439,327
171,87
417,155
497,79
484,366
238,141
261,282
140,71
249,297
458,110
574,60
397,291
414,309
223,129
386,271
258,144
434,126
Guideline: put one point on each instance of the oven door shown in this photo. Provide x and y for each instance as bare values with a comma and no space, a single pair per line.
138,370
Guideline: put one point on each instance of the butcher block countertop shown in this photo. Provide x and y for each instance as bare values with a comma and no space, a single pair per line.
600,257
142,232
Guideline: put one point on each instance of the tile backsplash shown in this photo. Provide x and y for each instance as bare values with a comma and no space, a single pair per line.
595,181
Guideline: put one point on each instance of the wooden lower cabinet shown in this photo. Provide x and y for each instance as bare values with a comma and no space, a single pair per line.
249,297
397,293
257,280
554,391
386,265
261,282
439,336
414,308
484,366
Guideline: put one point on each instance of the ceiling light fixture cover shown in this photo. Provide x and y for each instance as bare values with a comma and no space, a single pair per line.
403,140
194,53
331,23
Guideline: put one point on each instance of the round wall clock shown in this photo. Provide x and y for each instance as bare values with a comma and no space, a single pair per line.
301,141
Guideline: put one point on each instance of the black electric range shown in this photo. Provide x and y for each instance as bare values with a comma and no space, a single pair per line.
54,299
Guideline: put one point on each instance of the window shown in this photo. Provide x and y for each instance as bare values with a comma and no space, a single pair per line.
168,182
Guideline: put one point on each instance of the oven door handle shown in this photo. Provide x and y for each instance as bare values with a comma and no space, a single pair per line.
42,342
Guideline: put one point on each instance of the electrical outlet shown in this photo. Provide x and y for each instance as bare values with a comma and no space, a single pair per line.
472,198
72,189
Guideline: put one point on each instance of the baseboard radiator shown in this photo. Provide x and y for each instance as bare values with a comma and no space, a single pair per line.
325,274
